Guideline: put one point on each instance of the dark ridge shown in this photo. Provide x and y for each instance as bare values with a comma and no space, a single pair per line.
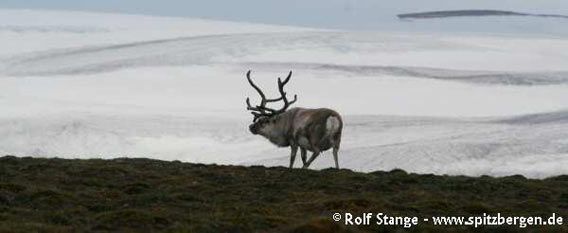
144,195
538,118
471,13
476,77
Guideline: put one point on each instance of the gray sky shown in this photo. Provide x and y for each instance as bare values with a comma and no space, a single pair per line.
347,14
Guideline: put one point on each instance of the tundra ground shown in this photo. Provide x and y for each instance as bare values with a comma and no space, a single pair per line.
59,195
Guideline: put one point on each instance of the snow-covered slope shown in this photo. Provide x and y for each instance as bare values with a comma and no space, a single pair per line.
76,84
35,30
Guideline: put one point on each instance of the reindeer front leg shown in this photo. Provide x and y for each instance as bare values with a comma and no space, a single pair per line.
304,154
293,155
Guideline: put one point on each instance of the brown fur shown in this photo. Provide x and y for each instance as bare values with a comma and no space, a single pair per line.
304,129
315,128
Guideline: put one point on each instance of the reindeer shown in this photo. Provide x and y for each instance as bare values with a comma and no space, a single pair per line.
315,130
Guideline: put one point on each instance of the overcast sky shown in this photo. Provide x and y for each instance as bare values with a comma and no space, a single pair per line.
349,14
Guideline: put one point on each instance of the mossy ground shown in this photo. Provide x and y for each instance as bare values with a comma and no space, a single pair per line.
143,195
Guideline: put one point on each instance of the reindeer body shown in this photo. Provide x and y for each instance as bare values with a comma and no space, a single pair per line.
315,130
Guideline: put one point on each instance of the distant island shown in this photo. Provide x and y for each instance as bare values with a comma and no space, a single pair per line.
470,13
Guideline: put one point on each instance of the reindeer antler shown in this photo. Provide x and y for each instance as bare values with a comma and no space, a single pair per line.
283,94
262,110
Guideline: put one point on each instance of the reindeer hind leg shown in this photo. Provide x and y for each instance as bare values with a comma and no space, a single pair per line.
314,156
335,151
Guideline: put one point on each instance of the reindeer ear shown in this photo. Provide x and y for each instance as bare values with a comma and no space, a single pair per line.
255,116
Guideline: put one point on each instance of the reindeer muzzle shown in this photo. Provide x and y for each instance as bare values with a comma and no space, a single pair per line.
252,129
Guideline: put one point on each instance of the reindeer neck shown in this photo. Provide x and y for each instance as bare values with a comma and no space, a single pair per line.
280,133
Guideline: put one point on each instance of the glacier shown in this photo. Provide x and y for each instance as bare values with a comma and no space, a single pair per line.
96,85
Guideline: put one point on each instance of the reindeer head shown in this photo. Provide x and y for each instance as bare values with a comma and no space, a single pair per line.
264,118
